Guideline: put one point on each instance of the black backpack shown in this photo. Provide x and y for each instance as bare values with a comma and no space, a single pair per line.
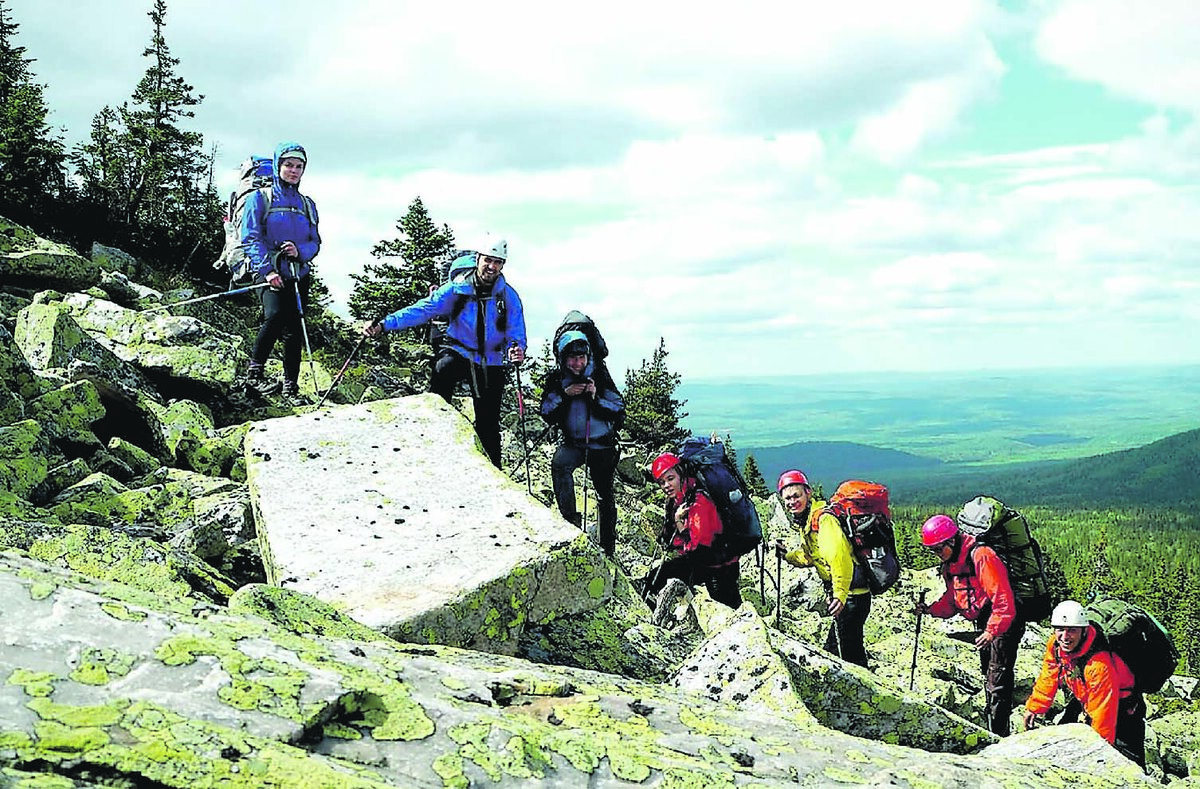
718,477
1006,531
1138,638
577,321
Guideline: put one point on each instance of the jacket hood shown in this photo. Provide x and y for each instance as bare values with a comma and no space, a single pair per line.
560,350
281,149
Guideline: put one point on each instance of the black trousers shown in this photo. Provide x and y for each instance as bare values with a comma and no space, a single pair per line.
281,318
601,465
721,582
997,663
846,630
487,395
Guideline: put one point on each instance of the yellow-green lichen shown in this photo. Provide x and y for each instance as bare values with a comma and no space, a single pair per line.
38,684
122,611
99,666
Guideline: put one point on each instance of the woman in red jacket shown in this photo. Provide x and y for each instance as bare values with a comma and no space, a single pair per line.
1098,678
691,529
977,587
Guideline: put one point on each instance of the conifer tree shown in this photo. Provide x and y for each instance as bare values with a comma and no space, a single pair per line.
754,478
652,414
409,265
151,175
32,158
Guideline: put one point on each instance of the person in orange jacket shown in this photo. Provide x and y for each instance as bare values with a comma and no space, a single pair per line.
691,529
1098,678
977,587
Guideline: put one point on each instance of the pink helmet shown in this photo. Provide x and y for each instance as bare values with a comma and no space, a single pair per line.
663,463
938,529
791,477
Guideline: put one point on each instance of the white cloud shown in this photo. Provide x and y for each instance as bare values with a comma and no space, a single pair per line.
1145,51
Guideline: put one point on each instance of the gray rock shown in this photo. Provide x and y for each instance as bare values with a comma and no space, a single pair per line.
433,544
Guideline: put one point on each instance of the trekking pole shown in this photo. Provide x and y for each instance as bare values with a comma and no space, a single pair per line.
222,294
778,588
587,437
312,368
341,372
912,671
521,415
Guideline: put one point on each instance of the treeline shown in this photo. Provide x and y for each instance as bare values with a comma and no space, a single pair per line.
142,181
1147,555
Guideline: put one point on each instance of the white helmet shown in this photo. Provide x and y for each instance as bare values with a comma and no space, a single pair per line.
1069,613
496,248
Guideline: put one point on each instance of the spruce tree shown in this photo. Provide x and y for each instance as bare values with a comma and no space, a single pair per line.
32,174
409,265
151,175
754,478
652,412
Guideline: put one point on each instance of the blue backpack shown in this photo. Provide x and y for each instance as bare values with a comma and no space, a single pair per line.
257,175
718,477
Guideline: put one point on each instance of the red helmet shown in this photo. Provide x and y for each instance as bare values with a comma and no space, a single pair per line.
662,463
791,477
938,529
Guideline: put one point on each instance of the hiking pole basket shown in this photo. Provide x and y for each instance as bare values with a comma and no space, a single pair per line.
912,671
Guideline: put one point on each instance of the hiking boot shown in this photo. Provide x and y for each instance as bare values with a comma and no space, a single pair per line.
256,383
292,396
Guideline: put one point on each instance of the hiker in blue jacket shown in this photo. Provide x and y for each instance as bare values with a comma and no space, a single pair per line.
485,327
281,240
580,398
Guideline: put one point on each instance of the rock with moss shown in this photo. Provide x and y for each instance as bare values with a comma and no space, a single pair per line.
51,339
49,265
139,461
117,682
59,478
112,259
15,371
298,613
174,350
617,638
471,564
67,415
24,457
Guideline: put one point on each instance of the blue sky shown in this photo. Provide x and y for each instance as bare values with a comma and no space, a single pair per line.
772,188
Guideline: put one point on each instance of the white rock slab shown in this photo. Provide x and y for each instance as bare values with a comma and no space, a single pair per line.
390,512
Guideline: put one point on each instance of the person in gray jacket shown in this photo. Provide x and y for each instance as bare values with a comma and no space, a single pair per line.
580,398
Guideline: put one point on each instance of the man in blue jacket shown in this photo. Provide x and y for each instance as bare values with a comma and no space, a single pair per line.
580,398
485,326
279,234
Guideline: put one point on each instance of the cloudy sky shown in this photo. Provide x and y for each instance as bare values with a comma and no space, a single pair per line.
774,188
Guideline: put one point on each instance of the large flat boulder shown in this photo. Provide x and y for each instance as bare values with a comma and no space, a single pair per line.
389,511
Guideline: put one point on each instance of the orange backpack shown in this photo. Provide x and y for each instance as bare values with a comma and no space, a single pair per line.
861,508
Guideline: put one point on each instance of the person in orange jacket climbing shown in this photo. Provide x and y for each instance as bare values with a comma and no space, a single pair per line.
1102,683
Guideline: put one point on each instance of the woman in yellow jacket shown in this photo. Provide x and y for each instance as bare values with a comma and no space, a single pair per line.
826,547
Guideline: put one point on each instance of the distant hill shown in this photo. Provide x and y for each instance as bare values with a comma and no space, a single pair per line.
830,462
1163,473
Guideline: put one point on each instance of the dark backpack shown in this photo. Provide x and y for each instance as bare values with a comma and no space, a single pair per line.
718,477
257,174
861,508
1138,638
1006,531
577,321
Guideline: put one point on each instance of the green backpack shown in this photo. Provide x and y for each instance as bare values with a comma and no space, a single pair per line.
1006,531
1138,638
